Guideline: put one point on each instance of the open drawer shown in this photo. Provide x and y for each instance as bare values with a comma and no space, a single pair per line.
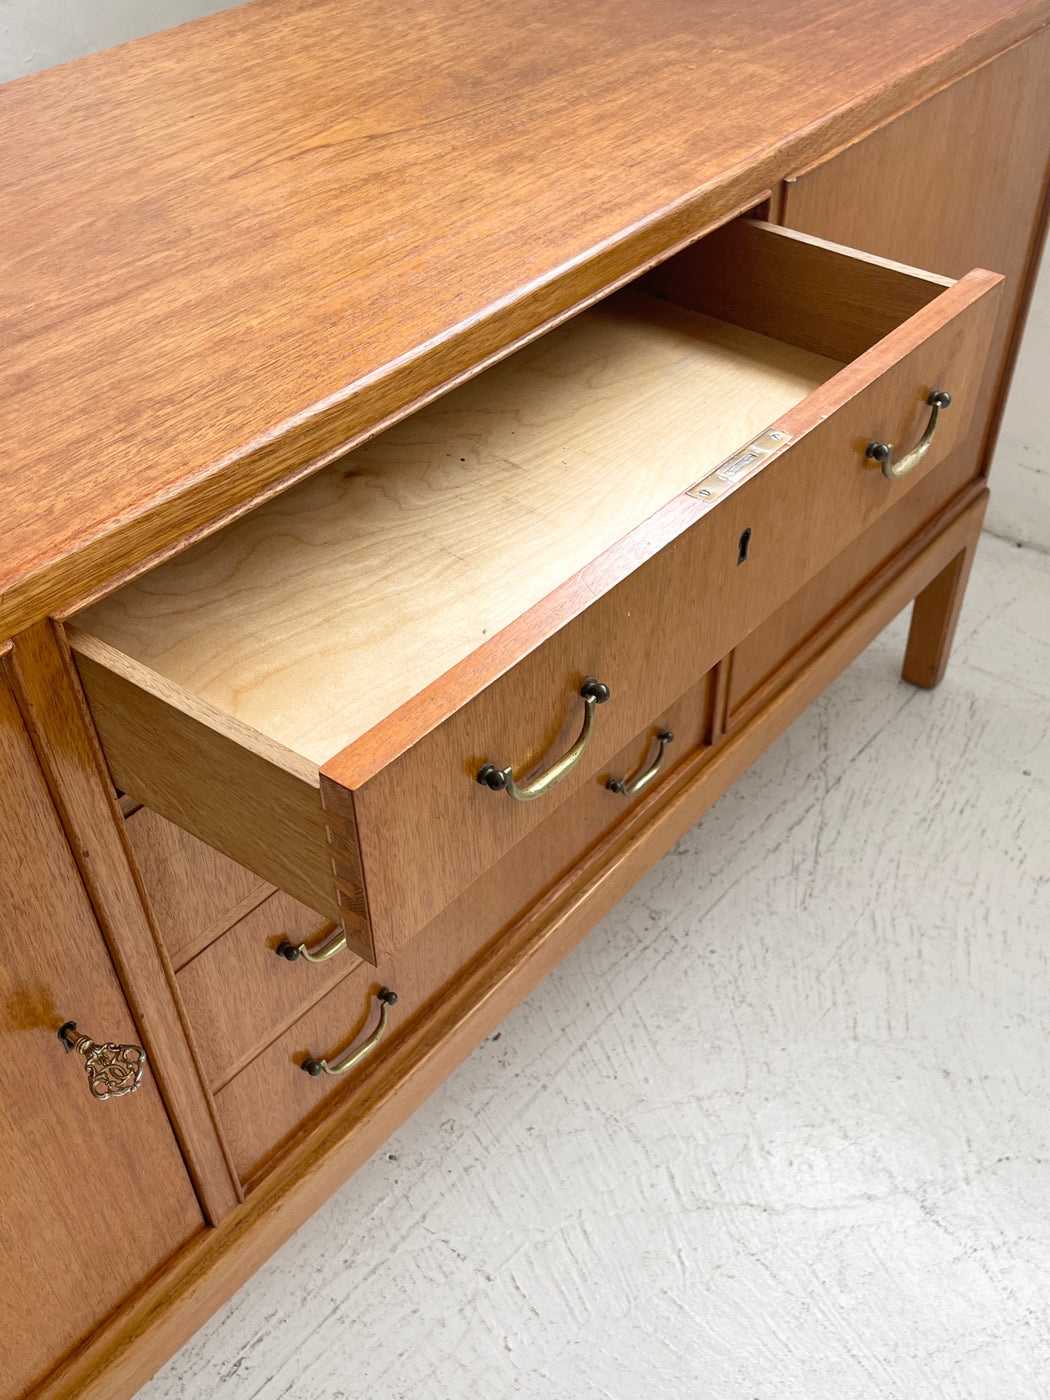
316,689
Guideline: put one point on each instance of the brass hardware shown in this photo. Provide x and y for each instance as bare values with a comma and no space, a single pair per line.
334,943
502,779
627,787
112,1070
882,452
740,466
386,999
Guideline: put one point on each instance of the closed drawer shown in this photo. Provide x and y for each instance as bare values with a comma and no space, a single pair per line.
315,690
238,993
769,655
264,1104
193,890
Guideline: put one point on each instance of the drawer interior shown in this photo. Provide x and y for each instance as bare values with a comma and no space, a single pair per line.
314,617
298,631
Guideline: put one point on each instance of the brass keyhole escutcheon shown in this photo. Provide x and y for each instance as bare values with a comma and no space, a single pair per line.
112,1070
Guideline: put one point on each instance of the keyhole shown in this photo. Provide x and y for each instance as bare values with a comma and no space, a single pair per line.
745,541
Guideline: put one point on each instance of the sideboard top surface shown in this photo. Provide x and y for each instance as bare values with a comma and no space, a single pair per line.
231,249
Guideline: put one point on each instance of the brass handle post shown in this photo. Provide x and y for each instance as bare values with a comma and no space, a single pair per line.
355,1055
627,787
882,452
334,943
502,779
112,1070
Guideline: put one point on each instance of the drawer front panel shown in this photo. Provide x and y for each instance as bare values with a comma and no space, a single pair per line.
268,1100
424,828
191,888
764,658
395,827
268,992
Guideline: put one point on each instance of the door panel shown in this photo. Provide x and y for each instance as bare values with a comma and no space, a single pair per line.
958,182
95,1195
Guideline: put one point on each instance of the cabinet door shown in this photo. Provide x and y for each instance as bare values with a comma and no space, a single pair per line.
956,183
95,1194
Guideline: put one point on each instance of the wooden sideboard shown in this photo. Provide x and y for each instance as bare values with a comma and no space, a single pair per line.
536,407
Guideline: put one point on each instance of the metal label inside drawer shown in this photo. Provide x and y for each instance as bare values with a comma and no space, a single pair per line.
740,465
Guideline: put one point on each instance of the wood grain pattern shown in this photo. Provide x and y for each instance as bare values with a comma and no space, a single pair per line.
642,635
222,328
859,585
271,992
272,1098
318,615
762,659
933,622
682,610
44,684
95,1195
804,291
167,752
194,892
876,393
984,210
219,258
971,200
166,1311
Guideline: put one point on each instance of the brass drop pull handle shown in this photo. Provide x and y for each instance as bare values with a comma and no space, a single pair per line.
112,1070
354,1056
502,779
883,451
335,943
627,787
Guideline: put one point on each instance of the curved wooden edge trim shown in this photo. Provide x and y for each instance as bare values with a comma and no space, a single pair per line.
210,1268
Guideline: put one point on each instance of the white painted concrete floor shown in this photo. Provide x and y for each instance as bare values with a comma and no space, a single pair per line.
778,1128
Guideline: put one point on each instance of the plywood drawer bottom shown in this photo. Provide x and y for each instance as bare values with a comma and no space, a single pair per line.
263,1106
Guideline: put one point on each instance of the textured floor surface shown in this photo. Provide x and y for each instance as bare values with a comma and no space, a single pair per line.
778,1128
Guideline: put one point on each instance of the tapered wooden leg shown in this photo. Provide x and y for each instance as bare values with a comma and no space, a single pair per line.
933,621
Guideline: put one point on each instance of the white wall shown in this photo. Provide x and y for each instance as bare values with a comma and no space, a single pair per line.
1020,505
38,33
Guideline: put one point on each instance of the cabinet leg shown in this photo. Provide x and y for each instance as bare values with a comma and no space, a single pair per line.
933,621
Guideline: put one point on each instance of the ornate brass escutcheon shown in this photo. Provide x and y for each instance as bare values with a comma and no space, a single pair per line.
112,1070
